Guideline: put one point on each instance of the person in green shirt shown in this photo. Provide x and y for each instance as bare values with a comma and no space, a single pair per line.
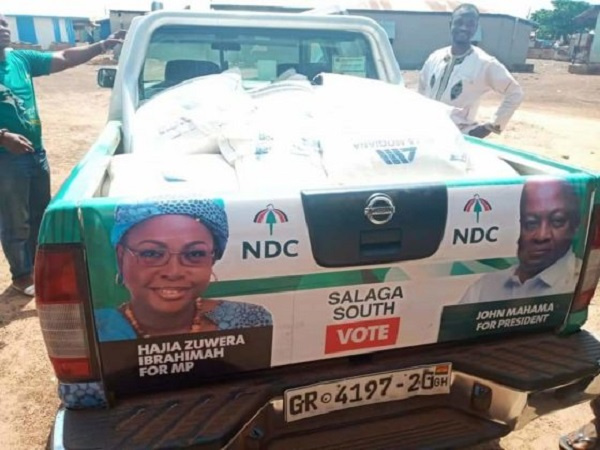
24,171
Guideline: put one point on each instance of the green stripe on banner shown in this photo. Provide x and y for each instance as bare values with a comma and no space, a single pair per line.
478,267
300,282
345,278
459,268
499,263
395,274
505,316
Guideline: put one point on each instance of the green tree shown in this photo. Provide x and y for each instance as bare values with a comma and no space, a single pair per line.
559,22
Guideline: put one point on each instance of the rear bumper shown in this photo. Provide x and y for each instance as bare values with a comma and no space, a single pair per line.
496,387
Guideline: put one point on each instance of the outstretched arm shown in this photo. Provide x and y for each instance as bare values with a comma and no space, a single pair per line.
75,56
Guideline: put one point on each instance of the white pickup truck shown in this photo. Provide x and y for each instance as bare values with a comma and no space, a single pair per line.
189,298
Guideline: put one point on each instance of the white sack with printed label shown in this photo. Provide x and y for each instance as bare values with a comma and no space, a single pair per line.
186,119
291,135
347,131
278,145
379,133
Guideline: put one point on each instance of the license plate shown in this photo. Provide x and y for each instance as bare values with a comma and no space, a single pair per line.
332,396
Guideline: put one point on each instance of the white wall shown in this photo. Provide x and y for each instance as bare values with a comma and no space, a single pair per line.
64,36
44,30
595,50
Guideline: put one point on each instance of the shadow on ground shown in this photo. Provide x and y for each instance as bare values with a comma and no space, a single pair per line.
12,307
491,445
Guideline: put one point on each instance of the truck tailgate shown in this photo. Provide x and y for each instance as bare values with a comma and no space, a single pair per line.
489,377
319,274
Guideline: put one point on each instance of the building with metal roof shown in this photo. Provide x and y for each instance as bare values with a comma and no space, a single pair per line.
43,24
415,27
593,13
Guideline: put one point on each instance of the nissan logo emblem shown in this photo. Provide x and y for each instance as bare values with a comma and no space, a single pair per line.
380,209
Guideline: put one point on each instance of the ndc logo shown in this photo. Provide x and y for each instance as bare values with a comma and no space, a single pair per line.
475,235
270,215
477,205
397,156
270,248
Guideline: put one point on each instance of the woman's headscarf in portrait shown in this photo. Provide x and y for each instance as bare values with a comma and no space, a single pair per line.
210,213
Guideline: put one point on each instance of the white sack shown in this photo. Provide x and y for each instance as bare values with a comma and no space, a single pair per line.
380,133
278,145
185,119
292,135
147,175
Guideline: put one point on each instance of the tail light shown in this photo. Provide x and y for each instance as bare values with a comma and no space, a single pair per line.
61,290
591,268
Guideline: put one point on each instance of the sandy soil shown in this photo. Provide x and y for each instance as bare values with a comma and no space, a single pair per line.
560,118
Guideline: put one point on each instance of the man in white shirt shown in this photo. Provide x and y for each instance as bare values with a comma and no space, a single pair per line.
460,75
547,265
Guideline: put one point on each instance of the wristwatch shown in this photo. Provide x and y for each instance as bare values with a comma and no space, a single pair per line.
3,131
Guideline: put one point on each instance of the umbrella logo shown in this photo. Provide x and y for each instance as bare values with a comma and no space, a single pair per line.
477,205
270,215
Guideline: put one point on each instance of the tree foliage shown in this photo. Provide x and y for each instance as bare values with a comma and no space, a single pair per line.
559,22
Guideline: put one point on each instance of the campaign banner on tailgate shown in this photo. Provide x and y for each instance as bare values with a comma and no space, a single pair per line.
187,289
481,319
145,364
159,324
534,289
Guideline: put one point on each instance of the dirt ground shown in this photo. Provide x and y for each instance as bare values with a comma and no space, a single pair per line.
560,118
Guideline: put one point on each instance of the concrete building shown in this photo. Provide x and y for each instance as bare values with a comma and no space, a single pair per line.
418,27
42,31
593,13
415,34
415,28
121,19
45,25
122,12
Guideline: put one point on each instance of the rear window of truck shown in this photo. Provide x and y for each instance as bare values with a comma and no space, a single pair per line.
178,53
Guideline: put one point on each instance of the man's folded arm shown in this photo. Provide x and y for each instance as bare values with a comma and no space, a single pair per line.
502,82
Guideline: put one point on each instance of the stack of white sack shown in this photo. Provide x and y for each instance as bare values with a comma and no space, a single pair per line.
293,135
186,119
348,131
278,144
380,133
